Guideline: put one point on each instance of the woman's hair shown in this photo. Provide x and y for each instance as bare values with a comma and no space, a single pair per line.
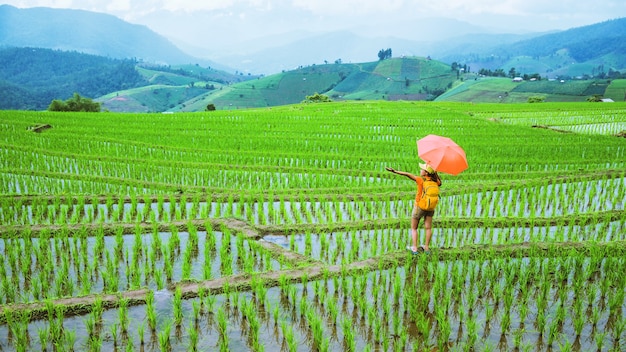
434,176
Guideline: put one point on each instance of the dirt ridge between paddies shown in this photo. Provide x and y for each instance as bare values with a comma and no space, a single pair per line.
307,269
258,231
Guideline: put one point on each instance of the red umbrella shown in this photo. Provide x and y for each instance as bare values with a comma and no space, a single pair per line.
442,153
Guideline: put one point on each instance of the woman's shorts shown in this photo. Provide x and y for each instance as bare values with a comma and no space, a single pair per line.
419,213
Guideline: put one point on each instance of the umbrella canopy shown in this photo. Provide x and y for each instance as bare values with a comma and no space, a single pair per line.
442,153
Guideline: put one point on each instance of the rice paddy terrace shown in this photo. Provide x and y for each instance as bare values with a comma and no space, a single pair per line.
279,229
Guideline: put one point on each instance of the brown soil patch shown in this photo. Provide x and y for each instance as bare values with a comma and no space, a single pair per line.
550,128
39,128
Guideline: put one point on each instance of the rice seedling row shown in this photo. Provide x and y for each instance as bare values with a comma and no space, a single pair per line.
545,200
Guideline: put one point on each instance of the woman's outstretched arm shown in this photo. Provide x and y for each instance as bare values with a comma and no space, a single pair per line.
403,173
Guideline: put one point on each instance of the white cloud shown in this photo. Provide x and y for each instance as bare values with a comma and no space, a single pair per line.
555,14
348,7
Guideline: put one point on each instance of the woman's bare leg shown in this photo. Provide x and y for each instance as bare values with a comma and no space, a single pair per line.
428,222
414,223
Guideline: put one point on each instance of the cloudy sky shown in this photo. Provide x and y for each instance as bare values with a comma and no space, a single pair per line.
197,21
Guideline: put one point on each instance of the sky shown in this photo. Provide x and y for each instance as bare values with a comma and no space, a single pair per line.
219,22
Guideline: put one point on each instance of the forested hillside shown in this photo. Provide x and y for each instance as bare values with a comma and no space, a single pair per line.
583,43
597,50
30,78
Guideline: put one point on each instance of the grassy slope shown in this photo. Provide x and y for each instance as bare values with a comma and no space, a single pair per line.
617,90
409,78
167,91
493,90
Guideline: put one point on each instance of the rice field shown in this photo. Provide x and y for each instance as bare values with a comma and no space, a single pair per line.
280,230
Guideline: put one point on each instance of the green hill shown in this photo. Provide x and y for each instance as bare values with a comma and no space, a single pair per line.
410,78
504,90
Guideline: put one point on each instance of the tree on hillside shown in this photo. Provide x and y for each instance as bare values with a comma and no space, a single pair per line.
75,103
317,98
384,54
596,98
536,99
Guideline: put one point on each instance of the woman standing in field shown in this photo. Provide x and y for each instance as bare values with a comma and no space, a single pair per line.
426,198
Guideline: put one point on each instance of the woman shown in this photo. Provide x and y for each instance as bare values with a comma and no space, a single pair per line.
427,173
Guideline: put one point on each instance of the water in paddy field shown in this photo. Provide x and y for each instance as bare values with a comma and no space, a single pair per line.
457,303
88,259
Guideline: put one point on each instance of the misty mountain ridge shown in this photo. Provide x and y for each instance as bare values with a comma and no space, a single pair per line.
86,32
107,35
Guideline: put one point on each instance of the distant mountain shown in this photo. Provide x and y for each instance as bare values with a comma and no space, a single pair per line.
319,49
87,32
574,52
350,47
584,43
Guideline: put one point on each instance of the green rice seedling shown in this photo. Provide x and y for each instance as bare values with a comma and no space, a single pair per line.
595,316
123,315
308,244
56,324
187,263
177,306
146,210
113,332
348,334
226,257
210,302
292,242
193,338
119,243
129,344
158,279
553,331
43,338
600,340
140,333
151,311
95,343
164,337
288,334
207,265
196,309
222,326
168,266
619,327
565,347
333,310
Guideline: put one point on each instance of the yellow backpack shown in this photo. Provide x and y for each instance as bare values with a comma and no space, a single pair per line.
430,195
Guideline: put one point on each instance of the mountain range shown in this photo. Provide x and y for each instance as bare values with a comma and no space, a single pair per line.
441,39
48,54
